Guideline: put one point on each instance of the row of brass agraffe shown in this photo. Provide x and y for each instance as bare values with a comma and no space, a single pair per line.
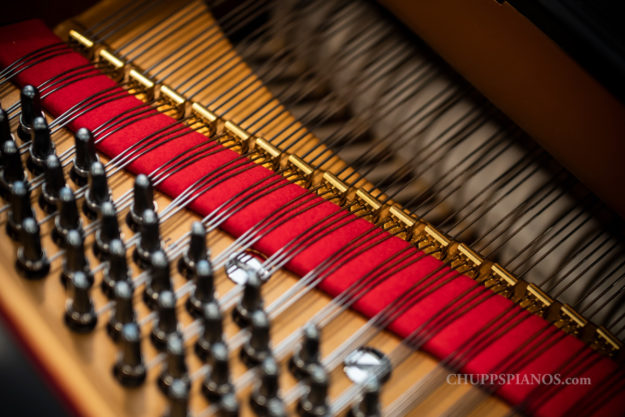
388,215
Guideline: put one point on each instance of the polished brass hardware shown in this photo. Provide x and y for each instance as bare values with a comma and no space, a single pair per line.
237,136
270,156
210,120
297,170
140,85
174,100
607,341
369,206
398,223
466,261
536,301
426,236
502,282
114,65
335,190
573,316
81,43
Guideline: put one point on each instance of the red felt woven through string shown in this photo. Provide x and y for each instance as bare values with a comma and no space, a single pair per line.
19,39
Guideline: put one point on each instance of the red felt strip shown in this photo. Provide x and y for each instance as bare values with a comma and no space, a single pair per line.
20,39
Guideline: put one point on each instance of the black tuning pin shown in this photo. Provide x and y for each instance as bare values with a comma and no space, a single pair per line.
314,402
5,128
79,314
369,403
204,291
75,259
212,323
228,406
197,250
124,311
54,180
40,148
97,192
117,268
266,388
12,168
19,209
67,217
166,322
275,408
256,348
217,383
159,279
175,365
178,398
250,301
31,108
149,239
32,262
143,199
85,156
129,369
308,353
107,232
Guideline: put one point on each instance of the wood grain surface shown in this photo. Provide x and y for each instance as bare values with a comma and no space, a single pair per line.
80,365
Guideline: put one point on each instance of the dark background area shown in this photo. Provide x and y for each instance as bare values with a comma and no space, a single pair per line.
23,390
50,11
591,31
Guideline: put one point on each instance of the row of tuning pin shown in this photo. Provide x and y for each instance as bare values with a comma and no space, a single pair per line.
57,199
